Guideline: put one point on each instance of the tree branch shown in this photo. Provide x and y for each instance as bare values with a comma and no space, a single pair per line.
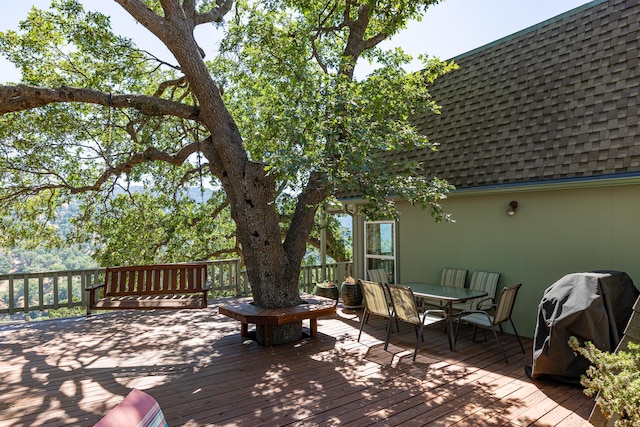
148,155
179,82
23,97
215,14
189,8
173,9
144,15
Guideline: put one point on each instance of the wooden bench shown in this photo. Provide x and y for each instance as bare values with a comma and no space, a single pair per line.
247,313
148,287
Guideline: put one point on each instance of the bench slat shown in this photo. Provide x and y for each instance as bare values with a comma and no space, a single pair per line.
149,303
140,281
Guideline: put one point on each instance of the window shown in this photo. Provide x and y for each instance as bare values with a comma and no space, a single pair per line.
380,247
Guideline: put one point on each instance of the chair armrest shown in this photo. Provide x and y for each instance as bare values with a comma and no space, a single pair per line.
481,304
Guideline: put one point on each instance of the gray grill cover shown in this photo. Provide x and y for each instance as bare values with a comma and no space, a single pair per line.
592,307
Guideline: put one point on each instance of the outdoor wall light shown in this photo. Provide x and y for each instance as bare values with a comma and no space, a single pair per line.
513,206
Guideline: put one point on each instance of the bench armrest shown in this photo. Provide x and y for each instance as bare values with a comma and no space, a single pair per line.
94,287
92,297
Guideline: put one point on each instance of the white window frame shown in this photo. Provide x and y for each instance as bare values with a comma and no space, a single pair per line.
392,257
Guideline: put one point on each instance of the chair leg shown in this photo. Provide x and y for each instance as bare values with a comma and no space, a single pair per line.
386,341
415,352
517,336
455,337
365,318
495,334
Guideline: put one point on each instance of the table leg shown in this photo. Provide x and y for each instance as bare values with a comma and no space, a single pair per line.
449,322
313,327
268,335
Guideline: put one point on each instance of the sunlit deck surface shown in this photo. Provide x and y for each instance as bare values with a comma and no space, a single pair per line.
72,371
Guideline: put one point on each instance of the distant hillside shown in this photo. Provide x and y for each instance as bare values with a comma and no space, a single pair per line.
18,260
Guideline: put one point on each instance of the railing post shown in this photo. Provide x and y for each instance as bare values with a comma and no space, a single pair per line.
12,296
25,283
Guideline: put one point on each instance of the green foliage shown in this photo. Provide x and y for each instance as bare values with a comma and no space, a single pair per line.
20,260
5,261
291,91
48,150
142,227
614,379
287,70
66,312
79,50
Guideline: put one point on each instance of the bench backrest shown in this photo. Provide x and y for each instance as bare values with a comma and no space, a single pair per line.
156,279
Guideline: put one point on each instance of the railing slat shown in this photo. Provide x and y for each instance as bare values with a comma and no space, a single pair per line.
25,290
12,297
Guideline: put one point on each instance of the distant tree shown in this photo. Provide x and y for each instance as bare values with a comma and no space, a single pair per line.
278,117
5,262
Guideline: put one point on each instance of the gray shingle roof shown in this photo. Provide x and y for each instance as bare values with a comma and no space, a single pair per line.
555,101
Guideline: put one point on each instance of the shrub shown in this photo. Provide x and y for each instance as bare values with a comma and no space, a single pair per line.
614,380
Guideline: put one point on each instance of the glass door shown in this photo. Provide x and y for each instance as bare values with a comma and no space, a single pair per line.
380,247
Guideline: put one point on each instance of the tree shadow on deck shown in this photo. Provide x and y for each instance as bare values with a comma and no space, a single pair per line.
472,385
199,369
72,371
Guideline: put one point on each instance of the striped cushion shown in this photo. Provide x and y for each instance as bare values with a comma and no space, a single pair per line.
506,299
138,409
453,277
480,281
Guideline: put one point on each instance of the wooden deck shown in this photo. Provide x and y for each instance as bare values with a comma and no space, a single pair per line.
199,369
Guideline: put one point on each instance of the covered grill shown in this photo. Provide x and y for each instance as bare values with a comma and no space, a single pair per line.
594,307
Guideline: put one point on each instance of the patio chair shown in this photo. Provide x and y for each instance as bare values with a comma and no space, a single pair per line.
503,311
406,310
378,275
453,277
375,302
481,281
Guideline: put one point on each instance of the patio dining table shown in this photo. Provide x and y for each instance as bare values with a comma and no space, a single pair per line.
448,295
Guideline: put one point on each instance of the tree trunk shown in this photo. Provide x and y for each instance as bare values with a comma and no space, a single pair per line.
273,268
282,334
273,273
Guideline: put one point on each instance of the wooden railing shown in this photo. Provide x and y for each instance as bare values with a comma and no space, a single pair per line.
31,294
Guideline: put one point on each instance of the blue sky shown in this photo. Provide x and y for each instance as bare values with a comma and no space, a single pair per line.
448,29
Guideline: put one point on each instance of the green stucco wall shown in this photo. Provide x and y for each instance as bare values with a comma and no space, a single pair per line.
553,233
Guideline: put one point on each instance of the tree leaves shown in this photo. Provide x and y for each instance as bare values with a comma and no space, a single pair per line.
286,71
300,109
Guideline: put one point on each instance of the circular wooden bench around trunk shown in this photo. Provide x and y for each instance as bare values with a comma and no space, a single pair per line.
246,312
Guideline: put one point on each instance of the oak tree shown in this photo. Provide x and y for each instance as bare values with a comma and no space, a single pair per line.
277,119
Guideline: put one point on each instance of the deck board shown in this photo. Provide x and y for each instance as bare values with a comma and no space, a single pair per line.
199,369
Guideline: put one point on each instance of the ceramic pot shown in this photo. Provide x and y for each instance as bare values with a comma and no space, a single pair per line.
351,295
332,293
